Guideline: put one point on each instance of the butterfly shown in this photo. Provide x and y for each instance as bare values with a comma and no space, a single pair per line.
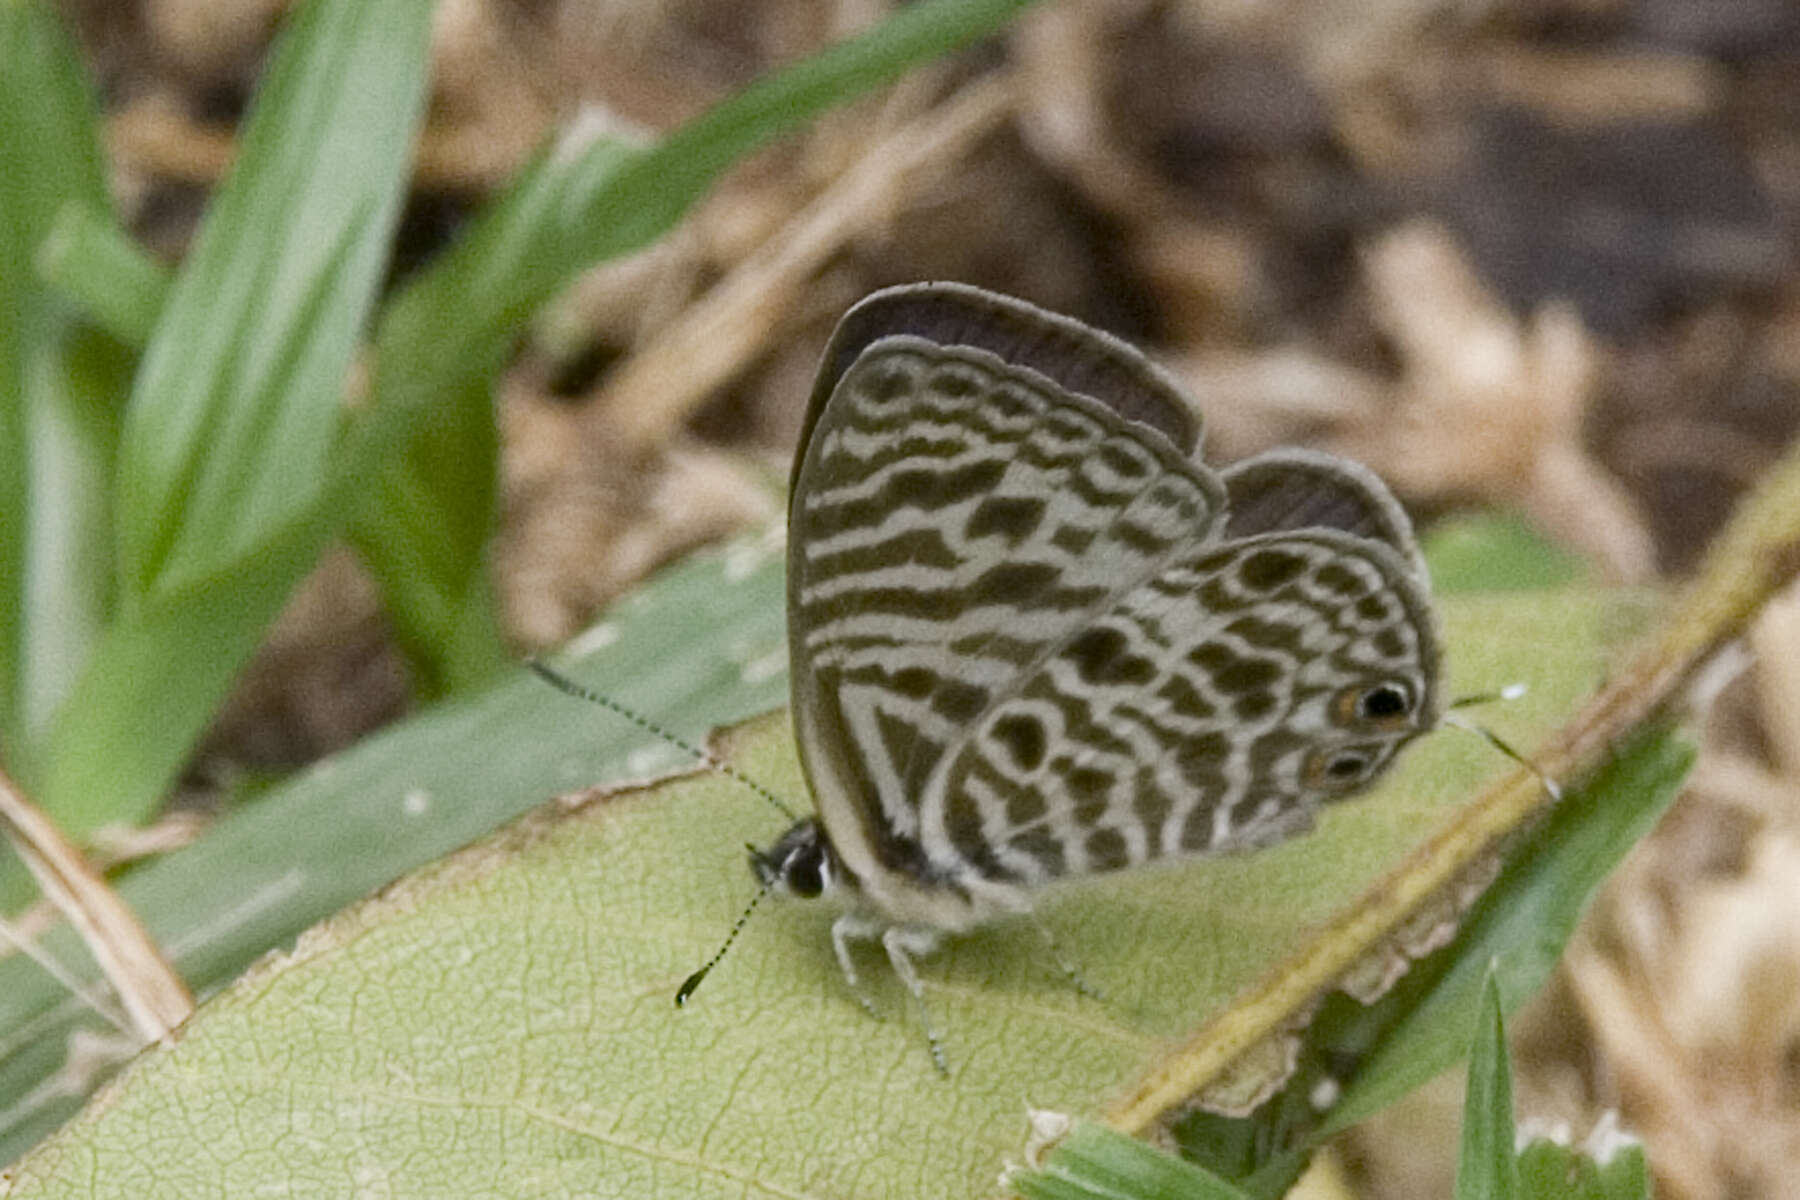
1034,637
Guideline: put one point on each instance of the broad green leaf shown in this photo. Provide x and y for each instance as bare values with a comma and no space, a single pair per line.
221,483
503,1021
699,646
56,437
1494,551
1485,1168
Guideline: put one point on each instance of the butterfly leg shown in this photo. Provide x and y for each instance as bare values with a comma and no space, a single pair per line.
1012,901
902,942
847,928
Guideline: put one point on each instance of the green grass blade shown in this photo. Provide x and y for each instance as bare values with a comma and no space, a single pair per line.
427,448
1486,1169
1624,1174
67,588
98,266
1549,1170
238,401
1520,925
423,530
156,678
1096,1163
1368,1056
428,519
676,172
53,590
221,487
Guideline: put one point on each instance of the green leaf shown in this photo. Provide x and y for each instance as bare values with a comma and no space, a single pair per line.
1486,1169
221,500
424,527
423,531
56,441
507,1015
239,398
699,646
1615,1170
1095,1163
1368,1056
97,265
1624,1175
118,739
1494,551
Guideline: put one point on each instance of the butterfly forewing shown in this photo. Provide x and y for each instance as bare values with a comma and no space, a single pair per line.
956,518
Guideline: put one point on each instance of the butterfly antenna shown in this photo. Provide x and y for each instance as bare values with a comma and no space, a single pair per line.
691,984
1511,691
1497,742
564,684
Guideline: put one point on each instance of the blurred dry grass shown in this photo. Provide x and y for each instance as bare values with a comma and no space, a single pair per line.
1530,253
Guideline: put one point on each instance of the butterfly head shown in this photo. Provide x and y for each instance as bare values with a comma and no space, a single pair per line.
801,863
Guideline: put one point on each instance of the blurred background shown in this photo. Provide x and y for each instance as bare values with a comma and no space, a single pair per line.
1533,257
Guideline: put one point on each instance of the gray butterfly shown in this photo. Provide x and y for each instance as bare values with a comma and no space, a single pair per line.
1034,637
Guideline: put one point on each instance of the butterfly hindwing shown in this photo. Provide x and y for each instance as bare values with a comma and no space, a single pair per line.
1213,707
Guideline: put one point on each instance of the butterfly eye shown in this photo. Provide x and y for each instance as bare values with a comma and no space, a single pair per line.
804,871
799,863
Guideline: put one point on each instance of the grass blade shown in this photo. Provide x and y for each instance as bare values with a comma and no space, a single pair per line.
1095,1163
56,445
237,405
1486,1169
238,401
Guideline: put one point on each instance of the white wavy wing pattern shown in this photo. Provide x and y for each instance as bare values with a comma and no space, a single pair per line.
1022,650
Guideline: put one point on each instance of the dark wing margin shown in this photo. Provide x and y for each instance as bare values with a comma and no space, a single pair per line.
1076,357
1296,489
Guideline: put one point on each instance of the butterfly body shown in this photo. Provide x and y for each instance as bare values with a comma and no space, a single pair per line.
1035,638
